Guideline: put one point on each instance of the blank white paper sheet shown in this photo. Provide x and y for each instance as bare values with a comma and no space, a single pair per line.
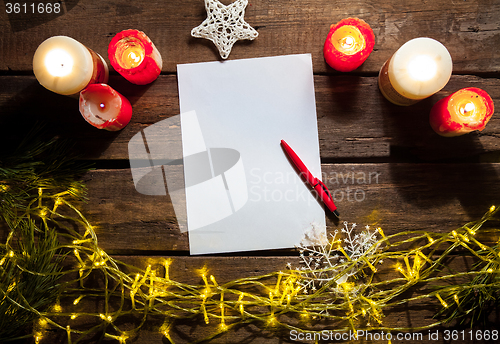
242,193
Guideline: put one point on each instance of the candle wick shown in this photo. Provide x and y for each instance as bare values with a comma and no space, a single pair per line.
467,108
102,105
99,117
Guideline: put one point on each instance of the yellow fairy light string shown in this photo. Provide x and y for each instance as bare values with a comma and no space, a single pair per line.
38,337
81,241
203,308
445,305
369,264
286,287
145,276
68,331
165,329
277,287
240,303
108,318
182,301
40,191
351,322
463,237
43,213
135,288
77,255
431,240
121,338
424,257
383,235
203,273
42,322
57,307
151,288
341,249
57,203
457,301
167,264
77,300
271,318
221,306
400,269
212,278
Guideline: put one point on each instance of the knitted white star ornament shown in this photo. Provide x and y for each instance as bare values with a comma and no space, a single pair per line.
225,25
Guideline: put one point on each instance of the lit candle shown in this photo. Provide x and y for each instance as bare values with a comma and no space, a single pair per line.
460,113
65,66
105,108
348,44
135,57
420,68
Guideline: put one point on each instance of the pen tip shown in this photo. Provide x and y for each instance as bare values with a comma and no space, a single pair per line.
336,213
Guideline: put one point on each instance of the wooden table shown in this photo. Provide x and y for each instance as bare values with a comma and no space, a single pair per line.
423,181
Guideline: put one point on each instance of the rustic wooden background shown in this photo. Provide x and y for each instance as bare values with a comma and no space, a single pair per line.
424,181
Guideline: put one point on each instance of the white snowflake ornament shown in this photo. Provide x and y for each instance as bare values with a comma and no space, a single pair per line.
225,25
324,260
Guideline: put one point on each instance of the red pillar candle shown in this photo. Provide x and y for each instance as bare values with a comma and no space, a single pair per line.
105,108
135,57
460,113
348,44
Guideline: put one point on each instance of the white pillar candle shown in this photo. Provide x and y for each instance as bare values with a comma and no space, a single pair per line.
420,68
65,66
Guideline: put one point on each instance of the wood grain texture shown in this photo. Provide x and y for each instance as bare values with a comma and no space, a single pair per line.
284,26
397,197
354,120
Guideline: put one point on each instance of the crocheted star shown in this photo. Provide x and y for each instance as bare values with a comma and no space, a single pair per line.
225,25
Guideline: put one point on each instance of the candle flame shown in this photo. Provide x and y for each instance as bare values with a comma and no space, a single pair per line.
132,54
135,57
58,62
348,39
464,110
347,42
422,68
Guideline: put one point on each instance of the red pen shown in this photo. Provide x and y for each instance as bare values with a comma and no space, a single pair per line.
315,183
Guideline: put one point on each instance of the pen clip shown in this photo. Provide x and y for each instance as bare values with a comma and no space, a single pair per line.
323,186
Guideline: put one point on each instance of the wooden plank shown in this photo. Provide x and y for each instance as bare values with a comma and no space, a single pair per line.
469,29
354,120
397,197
